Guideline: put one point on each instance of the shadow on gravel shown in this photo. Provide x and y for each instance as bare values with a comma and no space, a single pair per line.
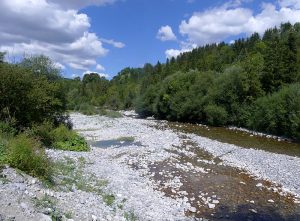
245,213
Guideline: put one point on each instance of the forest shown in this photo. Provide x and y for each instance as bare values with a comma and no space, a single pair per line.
253,83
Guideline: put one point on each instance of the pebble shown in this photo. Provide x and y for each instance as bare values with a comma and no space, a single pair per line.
211,206
192,209
259,185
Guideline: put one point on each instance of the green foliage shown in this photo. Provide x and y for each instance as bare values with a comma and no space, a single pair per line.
27,98
278,113
6,128
87,109
110,113
43,132
41,65
3,148
218,84
130,216
215,115
26,154
66,139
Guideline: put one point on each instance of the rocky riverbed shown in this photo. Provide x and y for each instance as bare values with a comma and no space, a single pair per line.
141,169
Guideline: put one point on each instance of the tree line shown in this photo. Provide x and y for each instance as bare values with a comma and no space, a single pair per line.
252,83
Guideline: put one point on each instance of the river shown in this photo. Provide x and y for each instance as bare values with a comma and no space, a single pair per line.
210,173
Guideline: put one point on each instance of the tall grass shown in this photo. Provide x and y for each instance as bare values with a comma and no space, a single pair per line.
26,154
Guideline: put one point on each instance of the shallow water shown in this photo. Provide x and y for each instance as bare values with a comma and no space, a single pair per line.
236,191
240,138
114,143
238,194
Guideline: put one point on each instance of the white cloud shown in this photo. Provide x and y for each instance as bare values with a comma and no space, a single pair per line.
165,33
290,3
75,75
114,43
100,74
78,4
99,67
59,66
217,24
230,20
42,27
175,52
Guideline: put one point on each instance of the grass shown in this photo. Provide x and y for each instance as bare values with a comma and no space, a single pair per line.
47,202
3,179
26,154
71,175
109,199
130,216
69,215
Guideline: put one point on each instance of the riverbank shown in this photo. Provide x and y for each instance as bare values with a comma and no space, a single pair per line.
141,169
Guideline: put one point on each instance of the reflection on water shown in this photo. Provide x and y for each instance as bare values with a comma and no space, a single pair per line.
114,143
239,138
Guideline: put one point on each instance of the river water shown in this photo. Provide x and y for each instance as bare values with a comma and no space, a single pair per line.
214,190
238,195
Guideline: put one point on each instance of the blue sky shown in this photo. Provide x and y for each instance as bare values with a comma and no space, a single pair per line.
106,36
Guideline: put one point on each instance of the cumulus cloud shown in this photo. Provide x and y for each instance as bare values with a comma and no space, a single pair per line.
165,33
78,4
99,67
175,52
46,27
290,3
114,43
230,20
218,24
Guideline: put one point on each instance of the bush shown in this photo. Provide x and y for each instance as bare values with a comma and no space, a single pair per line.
216,115
6,134
3,148
87,109
6,128
278,113
27,98
110,113
26,154
65,139
43,132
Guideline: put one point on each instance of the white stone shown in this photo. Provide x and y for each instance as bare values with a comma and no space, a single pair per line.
259,185
193,209
211,205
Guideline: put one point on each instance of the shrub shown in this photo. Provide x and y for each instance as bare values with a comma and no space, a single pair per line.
26,154
3,149
43,132
6,133
6,128
87,109
216,115
278,113
110,113
27,98
66,139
